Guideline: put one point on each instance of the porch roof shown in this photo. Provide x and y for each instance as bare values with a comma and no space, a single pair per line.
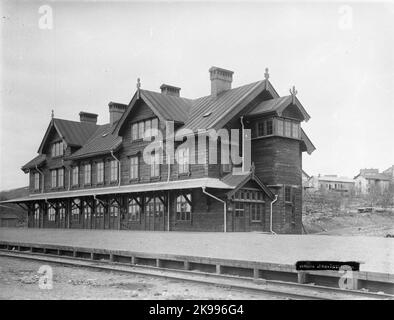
140,187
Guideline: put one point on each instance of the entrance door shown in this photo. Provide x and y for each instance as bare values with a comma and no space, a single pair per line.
62,218
114,216
87,216
159,215
98,216
240,209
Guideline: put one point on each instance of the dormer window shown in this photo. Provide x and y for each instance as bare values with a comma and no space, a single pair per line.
57,149
278,126
139,129
36,181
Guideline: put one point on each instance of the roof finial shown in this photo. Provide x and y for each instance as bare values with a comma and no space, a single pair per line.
138,87
52,114
266,76
293,93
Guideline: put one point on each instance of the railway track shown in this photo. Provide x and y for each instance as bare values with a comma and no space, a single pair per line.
286,290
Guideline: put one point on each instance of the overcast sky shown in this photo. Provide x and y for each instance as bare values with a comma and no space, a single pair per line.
340,58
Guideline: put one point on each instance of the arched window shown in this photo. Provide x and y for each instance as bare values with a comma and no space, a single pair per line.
75,211
36,212
51,214
183,207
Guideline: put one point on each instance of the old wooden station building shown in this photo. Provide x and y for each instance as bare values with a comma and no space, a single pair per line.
94,176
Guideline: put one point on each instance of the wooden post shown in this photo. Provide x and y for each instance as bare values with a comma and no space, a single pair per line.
302,277
218,269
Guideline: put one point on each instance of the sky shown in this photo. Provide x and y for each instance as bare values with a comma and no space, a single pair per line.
339,56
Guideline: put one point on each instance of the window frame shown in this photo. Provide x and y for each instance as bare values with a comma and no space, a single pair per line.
87,174
60,178
36,181
183,209
134,168
113,168
75,176
53,178
100,172
155,165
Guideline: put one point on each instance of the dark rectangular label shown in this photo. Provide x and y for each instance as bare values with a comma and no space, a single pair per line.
327,265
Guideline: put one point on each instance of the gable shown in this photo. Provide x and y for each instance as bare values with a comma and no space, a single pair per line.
140,111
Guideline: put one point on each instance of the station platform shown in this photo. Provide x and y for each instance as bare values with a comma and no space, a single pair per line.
375,254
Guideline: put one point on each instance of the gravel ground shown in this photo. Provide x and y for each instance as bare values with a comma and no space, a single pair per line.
19,279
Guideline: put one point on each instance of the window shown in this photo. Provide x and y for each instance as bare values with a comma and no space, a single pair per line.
87,173
75,176
155,124
155,165
53,178
62,213
239,209
87,210
138,129
134,210
99,209
288,194
269,127
36,212
114,170
279,128
295,130
287,129
141,130
36,181
57,149
100,172
133,168
264,128
260,129
60,177
114,210
257,212
148,127
183,208
134,131
183,160
51,214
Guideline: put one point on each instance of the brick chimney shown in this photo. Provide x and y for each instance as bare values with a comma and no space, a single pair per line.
88,117
116,111
221,80
170,90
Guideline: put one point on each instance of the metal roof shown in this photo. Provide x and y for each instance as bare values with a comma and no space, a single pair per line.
216,107
40,159
170,107
102,141
140,187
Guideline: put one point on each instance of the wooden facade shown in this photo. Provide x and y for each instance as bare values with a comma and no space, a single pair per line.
94,196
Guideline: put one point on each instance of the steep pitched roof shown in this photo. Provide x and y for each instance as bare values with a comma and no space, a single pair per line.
237,181
374,176
201,113
278,105
307,143
209,110
101,142
73,132
37,161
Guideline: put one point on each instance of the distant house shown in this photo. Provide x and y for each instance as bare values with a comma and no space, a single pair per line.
369,180
306,180
389,172
333,183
